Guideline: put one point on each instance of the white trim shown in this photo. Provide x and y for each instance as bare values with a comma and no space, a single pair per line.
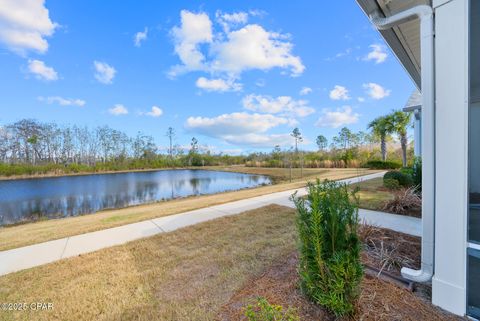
448,296
473,246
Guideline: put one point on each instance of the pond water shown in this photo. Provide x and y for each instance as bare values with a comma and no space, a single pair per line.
45,198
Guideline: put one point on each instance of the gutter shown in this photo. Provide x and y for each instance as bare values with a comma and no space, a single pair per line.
425,14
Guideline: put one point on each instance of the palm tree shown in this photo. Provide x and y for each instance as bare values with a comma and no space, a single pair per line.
382,127
400,122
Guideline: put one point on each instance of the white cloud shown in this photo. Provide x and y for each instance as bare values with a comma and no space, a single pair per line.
241,129
219,85
228,20
104,73
286,106
155,112
339,93
140,37
378,54
260,140
341,54
194,30
118,110
305,91
253,47
361,99
24,25
261,82
230,53
42,71
234,124
344,53
231,151
340,117
62,101
376,91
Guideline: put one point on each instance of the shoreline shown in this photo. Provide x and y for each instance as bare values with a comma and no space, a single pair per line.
47,230
50,175
147,204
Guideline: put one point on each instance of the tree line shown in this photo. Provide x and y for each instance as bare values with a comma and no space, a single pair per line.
32,144
347,148
29,141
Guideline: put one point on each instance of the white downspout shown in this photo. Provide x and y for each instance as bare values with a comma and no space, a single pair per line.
417,132
425,14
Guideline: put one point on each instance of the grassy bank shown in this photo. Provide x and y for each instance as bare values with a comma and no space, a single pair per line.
209,271
184,275
31,233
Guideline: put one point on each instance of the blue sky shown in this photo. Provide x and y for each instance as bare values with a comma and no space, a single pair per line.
230,73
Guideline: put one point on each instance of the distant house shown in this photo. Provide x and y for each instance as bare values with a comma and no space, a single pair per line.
438,43
414,105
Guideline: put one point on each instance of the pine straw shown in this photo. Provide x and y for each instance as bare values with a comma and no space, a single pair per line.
388,250
379,300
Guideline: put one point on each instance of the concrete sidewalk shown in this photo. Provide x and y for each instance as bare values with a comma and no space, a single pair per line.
43,253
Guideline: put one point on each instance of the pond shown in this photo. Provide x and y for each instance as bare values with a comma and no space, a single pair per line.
46,198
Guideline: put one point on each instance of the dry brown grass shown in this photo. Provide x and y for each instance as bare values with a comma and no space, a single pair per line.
184,275
22,235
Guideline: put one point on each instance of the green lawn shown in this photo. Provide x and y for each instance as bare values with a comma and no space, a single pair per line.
372,194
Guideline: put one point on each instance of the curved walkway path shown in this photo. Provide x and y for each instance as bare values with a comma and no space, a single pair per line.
43,253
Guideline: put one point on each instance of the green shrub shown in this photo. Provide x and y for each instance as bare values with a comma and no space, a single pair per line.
407,171
391,183
330,268
403,179
264,311
378,164
417,172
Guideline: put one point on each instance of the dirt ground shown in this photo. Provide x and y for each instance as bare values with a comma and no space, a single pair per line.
379,299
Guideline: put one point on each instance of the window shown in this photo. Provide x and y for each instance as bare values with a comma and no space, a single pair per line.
474,125
473,257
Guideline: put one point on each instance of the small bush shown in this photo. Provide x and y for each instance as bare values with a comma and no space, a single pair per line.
404,201
391,183
417,172
378,164
330,268
264,311
403,179
407,171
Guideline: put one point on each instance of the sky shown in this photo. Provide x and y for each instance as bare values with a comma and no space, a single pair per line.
237,75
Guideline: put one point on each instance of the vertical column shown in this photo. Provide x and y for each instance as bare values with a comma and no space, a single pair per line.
451,155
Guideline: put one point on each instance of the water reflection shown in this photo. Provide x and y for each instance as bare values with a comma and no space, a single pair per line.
34,199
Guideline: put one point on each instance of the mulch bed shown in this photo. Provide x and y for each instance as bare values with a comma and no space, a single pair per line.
379,299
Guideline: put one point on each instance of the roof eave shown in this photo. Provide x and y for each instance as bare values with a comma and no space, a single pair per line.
392,40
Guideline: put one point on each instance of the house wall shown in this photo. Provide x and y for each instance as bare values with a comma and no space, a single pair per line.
451,157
